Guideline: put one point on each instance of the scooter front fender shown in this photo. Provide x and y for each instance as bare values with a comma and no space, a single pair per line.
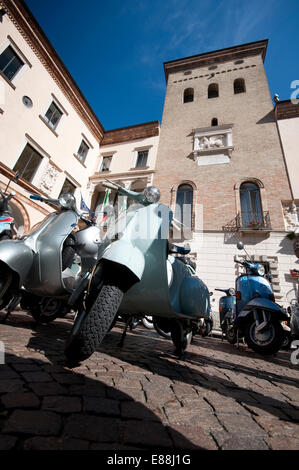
17,256
125,253
265,304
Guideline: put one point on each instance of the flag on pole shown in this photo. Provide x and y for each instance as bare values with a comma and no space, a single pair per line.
84,207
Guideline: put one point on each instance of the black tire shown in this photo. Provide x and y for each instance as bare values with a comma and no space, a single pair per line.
230,334
287,341
90,328
5,281
163,327
47,310
269,342
207,328
176,338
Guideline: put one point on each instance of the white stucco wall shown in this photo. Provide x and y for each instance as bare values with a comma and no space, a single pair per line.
289,132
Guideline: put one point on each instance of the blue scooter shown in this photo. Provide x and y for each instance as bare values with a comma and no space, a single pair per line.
255,316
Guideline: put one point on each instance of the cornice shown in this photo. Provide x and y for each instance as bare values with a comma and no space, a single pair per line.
286,110
216,57
22,18
125,134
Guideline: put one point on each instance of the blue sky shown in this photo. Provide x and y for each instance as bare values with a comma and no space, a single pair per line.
115,49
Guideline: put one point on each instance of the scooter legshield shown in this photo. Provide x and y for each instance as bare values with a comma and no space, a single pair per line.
17,257
265,304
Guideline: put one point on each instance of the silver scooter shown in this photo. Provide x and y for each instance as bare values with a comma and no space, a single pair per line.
137,272
35,270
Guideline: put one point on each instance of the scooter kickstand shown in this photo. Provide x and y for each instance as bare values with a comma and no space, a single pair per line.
122,340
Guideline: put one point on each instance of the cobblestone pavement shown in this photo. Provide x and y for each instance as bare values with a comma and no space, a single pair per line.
141,396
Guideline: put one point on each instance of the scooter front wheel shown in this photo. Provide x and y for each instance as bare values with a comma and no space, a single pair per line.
90,329
268,340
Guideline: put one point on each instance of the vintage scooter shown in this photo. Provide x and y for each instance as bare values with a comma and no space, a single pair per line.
227,306
256,316
35,270
137,273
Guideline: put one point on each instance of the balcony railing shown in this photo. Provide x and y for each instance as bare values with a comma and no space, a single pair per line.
249,221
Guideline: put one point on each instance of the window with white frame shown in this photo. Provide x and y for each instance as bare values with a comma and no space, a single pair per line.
83,151
106,162
142,157
28,163
10,63
53,115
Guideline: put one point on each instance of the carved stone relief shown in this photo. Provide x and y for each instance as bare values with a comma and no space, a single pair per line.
290,213
48,178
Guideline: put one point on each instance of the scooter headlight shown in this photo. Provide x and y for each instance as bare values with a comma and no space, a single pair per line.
261,270
67,201
152,194
231,291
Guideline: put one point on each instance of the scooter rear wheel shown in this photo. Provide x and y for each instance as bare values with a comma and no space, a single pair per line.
91,327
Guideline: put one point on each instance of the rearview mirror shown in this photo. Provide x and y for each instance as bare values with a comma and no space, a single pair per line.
240,246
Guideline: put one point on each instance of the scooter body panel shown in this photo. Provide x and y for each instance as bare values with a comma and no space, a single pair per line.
252,287
47,242
226,304
17,256
262,304
146,234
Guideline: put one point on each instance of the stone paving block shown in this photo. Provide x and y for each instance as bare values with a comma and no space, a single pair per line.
55,443
36,377
135,410
190,417
275,427
11,385
149,434
91,389
62,404
20,400
285,443
93,428
191,437
43,423
102,406
49,388
68,378
7,373
239,441
235,423
7,442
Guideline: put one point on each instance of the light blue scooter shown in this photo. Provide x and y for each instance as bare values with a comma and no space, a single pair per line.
139,272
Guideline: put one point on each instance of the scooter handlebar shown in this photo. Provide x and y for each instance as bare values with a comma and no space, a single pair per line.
36,197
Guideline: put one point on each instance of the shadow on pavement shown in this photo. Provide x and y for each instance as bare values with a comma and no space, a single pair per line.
45,406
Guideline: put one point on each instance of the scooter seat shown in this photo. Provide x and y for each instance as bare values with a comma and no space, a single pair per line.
180,250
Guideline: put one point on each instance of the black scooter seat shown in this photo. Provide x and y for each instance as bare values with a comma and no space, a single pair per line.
180,250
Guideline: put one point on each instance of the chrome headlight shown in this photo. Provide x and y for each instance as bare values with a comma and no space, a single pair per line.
261,269
152,194
231,291
67,201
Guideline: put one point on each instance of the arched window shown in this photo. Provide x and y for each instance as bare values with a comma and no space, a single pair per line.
251,206
214,122
239,86
213,90
184,205
188,95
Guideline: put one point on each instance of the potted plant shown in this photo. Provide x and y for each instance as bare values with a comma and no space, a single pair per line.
255,225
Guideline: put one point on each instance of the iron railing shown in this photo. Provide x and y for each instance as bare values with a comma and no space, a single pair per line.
249,221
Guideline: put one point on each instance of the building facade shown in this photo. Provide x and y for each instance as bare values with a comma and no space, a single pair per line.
49,133
128,157
220,155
